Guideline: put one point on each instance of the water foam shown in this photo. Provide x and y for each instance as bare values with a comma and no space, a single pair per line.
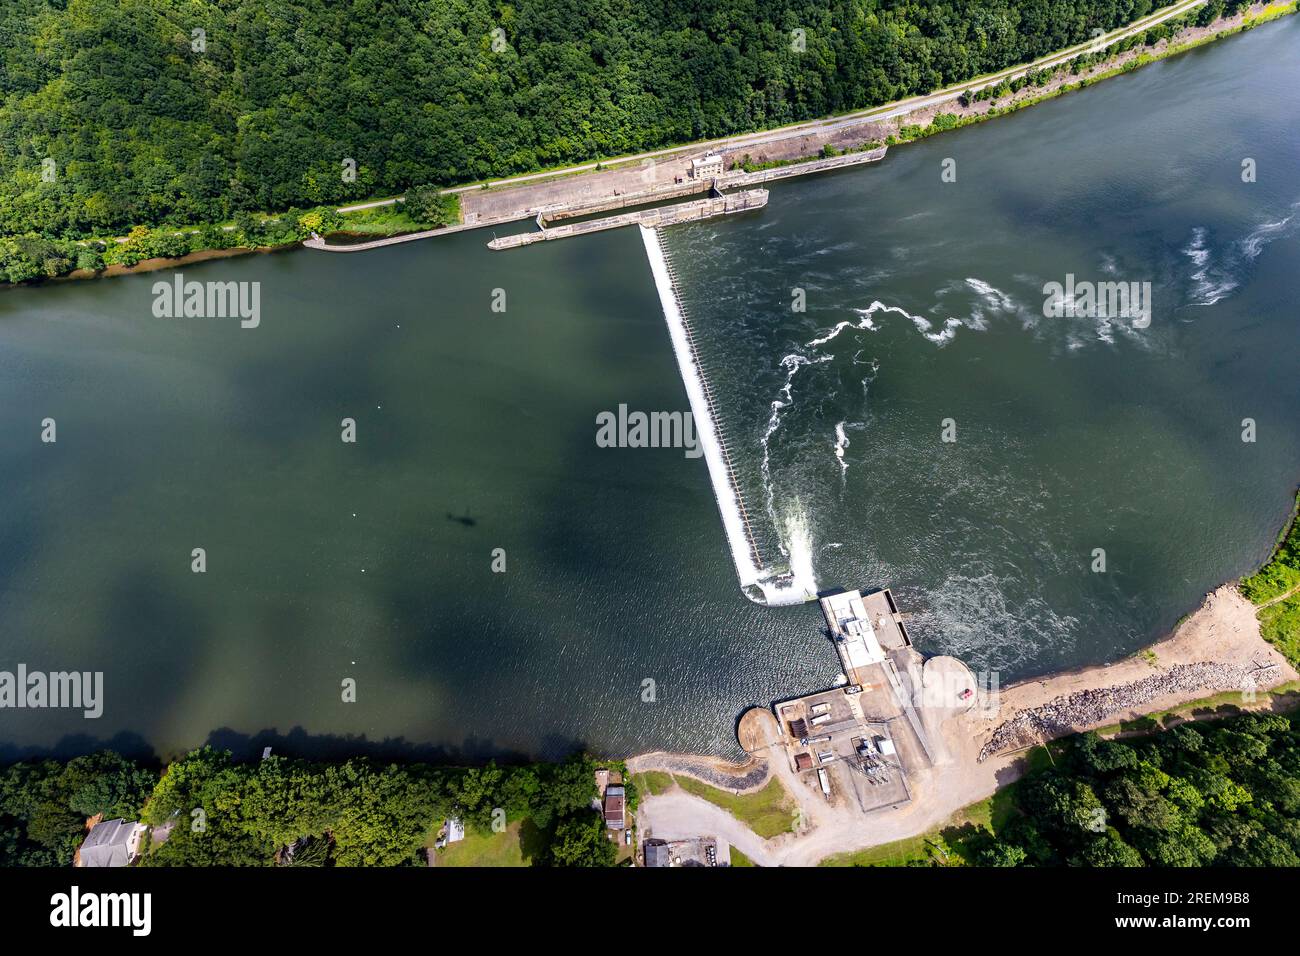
796,542
841,445
1215,279
923,325
760,584
724,491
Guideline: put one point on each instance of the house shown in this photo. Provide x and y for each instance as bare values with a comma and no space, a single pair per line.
613,807
453,831
111,843
706,167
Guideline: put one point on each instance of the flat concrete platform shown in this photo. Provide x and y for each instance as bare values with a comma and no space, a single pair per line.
758,730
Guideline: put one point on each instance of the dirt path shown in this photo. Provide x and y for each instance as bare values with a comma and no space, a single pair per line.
1279,599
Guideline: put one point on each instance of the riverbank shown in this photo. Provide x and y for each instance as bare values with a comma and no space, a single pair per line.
1217,649
1000,100
502,202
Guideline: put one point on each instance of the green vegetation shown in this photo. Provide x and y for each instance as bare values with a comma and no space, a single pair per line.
29,257
768,812
1222,793
1280,622
1272,12
1282,573
1227,704
44,804
739,859
143,120
653,782
354,813
432,208
949,845
486,849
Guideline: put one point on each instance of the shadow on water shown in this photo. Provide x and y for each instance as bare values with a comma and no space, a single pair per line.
127,743
298,743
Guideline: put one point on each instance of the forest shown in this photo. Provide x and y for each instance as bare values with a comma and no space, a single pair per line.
117,113
1224,793
355,813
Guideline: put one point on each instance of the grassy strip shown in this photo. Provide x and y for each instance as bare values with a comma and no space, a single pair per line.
739,859
1280,623
1282,573
380,221
948,121
1272,12
1280,626
653,782
1234,702
768,812
485,849
947,845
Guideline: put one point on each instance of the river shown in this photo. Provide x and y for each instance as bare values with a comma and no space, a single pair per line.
617,623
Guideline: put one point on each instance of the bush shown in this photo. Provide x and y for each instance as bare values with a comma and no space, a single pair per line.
430,206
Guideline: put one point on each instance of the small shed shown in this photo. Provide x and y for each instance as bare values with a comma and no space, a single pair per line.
657,853
614,811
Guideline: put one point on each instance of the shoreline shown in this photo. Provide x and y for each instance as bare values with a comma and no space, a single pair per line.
158,263
984,749
892,126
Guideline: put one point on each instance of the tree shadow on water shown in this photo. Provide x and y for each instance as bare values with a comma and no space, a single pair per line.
330,747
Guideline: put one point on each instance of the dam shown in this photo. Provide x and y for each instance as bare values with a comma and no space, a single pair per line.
760,582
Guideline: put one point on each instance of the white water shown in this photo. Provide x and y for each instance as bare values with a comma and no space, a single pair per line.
753,577
796,540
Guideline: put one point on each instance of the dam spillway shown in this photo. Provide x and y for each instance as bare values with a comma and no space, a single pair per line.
760,583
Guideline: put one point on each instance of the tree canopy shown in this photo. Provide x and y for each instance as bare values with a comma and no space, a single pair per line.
216,811
1225,793
115,113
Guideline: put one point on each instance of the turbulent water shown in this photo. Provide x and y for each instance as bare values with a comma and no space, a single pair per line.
923,304
618,623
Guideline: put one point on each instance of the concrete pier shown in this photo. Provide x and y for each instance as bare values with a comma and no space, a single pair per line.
675,214
807,167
